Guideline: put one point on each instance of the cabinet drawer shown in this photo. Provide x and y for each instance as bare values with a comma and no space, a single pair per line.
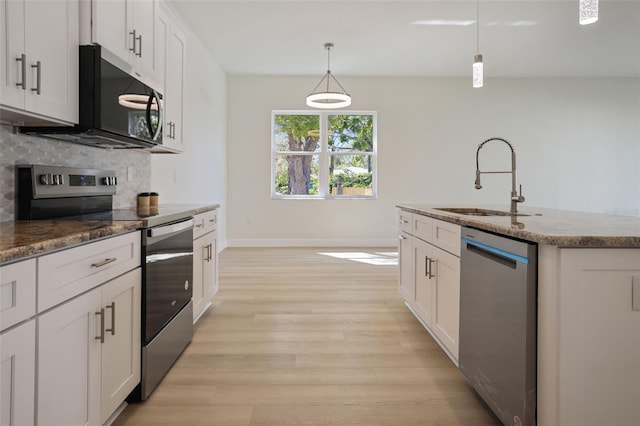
205,223
422,227
17,292
405,220
67,273
446,235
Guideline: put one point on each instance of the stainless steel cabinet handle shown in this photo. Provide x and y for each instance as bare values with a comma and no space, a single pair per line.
139,38
212,220
112,306
104,262
210,251
101,336
404,221
38,67
133,39
430,273
23,64
402,237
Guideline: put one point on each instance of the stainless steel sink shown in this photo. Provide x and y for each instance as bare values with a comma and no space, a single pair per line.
470,211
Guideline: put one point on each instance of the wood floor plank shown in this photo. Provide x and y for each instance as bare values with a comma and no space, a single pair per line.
309,337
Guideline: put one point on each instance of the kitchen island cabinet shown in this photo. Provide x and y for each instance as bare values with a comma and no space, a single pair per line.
430,275
588,310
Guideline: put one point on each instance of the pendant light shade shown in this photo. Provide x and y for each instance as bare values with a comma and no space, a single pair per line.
328,98
588,11
478,77
478,71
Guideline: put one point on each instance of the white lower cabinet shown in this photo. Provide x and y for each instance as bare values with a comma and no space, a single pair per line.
205,262
89,354
445,294
17,375
429,253
406,282
423,302
589,338
121,350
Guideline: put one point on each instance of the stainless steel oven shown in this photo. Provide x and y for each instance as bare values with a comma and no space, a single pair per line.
167,311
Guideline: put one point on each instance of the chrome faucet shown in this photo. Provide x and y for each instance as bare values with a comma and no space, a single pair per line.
515,197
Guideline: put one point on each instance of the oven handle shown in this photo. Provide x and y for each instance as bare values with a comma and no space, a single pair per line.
160,231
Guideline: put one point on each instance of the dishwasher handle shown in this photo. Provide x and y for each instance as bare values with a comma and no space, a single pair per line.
493,252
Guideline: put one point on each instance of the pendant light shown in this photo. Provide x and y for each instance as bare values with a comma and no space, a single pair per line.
588,11
328,99
478,72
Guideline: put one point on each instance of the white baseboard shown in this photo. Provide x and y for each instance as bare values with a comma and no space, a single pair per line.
381,242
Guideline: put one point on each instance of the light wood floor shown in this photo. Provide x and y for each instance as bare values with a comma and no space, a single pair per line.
296,337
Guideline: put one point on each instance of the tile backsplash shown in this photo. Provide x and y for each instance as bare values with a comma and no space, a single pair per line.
16,149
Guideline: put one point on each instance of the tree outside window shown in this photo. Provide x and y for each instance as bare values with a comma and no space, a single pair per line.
323,155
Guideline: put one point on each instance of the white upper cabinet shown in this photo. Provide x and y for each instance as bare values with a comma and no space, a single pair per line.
125,29
170,53
39,54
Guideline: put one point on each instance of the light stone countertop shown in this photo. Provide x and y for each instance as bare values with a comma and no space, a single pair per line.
562,228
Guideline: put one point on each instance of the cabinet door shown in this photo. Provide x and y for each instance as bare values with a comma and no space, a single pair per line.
211,267
112,27
52,39
17,292
199,255
17,375
122,346
174,88
12,49
599,345
423,267
445,321
143,22
69,363
406,282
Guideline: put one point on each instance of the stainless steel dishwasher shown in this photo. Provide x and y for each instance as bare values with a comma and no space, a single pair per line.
498,292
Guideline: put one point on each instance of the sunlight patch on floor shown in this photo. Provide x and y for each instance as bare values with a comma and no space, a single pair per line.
378,258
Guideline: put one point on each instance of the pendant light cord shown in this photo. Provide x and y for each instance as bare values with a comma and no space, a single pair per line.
477,27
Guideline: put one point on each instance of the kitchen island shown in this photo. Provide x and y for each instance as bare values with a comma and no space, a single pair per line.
588,325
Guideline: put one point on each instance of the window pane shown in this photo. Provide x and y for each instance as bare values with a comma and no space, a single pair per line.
297,132
351,175
350,133
296,174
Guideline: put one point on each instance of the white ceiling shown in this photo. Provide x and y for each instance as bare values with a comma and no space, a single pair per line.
518,38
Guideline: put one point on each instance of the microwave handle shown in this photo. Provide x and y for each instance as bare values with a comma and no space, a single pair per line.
158,133
148,115
154,133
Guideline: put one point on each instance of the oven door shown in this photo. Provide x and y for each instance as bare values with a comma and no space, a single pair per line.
167,276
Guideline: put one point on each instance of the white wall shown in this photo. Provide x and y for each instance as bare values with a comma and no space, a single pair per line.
577,143
198,174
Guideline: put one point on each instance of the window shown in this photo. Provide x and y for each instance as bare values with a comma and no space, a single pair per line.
323,154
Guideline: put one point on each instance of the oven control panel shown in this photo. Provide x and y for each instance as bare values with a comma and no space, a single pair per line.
58,181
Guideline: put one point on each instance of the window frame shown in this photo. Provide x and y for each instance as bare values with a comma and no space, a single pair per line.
324,155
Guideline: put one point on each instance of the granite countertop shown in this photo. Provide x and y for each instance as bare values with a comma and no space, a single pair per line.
26,238
561,228
22,239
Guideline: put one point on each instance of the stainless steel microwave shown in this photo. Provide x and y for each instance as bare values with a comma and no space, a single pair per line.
116,109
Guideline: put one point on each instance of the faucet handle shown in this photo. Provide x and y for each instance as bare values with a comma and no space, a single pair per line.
519,198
